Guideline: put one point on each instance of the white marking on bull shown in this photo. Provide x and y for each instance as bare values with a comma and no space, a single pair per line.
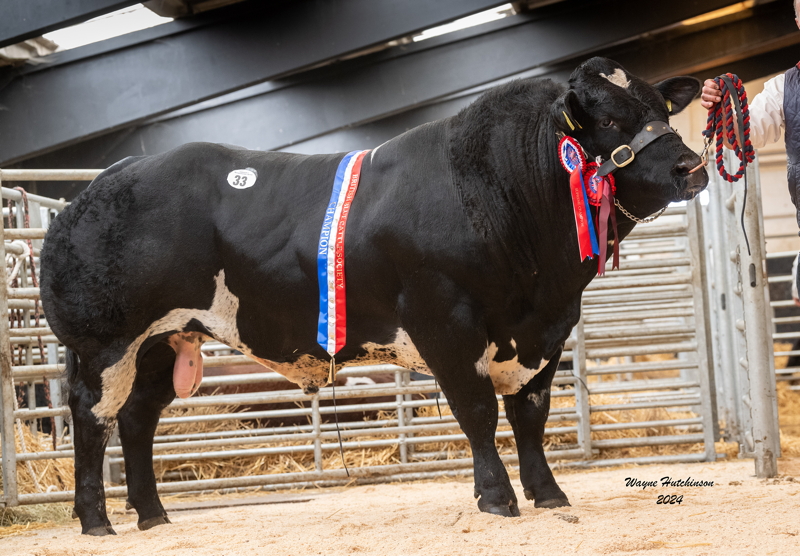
508,377
795,294
618,78
401,352
407,353
536,398
482,364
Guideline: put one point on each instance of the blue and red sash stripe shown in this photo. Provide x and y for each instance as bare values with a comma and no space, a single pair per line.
332,327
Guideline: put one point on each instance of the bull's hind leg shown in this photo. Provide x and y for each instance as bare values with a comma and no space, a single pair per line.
89,436
138,419
527,411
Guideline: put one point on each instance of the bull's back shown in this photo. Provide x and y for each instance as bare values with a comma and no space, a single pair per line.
150,236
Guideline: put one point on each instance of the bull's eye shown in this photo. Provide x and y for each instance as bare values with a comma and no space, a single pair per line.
606,123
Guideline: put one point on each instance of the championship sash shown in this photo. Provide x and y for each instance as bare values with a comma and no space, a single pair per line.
332,327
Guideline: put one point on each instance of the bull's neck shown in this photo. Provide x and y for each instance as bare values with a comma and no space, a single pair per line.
513,189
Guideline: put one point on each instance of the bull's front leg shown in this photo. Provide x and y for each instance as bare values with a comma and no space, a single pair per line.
451,339
527,411
472,399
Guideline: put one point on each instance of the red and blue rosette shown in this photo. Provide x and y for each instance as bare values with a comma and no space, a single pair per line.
572,159
595,184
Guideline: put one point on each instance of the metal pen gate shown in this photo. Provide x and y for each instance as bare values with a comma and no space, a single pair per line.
786,320
742,326
640,379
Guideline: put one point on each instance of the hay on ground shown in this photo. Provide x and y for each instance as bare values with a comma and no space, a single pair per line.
50,475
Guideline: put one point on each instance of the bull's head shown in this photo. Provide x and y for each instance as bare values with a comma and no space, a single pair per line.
605,107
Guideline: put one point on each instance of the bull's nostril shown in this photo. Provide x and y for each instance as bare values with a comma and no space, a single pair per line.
685,166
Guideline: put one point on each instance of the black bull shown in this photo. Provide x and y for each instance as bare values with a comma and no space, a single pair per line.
461,257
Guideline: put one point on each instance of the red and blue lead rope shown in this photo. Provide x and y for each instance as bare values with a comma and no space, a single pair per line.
720,123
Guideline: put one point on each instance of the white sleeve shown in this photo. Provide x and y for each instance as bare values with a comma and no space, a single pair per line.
766,113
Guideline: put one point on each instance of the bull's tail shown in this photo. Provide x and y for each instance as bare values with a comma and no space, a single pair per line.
71,360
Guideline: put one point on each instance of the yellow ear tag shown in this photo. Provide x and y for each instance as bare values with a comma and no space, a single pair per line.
669,106
569,122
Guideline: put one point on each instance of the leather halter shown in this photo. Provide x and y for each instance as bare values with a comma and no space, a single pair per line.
624,154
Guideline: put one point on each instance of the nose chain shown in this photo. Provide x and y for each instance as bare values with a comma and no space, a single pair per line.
637,219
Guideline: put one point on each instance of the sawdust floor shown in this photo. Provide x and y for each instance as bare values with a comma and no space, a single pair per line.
739,515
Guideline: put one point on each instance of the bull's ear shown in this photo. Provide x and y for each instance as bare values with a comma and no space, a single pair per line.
567,113
678,92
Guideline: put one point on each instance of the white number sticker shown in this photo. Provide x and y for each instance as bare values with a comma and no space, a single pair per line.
242,179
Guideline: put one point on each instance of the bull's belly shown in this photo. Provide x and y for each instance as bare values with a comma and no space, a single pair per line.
401,352
308,372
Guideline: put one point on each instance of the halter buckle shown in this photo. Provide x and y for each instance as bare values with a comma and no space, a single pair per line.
625,161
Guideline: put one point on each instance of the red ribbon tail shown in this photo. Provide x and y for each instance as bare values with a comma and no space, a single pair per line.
602,227
615,264
581,218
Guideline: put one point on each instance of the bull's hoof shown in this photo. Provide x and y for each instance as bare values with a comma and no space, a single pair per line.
311,389
529,495
552,503
101,531
153,522
511,510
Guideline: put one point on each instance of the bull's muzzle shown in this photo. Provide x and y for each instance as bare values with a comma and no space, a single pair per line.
691,171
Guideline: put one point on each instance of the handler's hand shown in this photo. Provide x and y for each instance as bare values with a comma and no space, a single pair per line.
711,94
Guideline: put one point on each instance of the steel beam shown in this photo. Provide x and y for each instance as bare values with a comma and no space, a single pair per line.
373,87
747,47
110,148
60,105
25,19
764,29
755,66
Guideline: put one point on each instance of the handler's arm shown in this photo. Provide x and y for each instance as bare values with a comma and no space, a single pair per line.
766,113
766,110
